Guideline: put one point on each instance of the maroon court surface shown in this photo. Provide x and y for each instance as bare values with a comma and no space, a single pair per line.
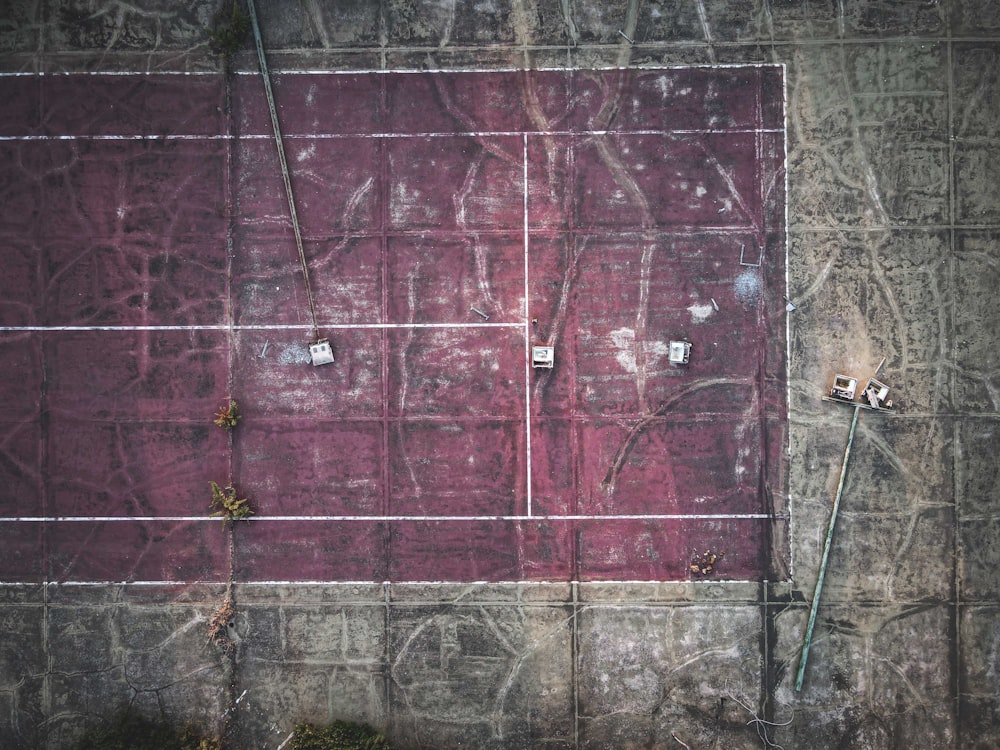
150,272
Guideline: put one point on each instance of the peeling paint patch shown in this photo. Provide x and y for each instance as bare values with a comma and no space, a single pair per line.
293,354
700,312
748,286
624,342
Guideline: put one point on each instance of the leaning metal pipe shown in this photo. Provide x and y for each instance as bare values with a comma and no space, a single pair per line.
279,142
826,553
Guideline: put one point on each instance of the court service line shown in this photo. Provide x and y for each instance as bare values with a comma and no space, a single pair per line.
121,137
685,582
505,133
373,71
394,519
527,329
381,136
416,71
277,327
792,531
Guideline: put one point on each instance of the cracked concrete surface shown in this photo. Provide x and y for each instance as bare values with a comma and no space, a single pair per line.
894,251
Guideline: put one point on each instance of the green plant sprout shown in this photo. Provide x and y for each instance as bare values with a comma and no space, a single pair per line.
226,505
228,416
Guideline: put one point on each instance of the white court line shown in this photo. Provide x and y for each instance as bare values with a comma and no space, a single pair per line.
290,327
393,519
556,69
515,133
788,323
334,136
108,73
116,137
399,584
372,71
527,329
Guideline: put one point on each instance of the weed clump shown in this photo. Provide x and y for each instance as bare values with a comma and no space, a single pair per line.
227,505
228,416
227,36
218,623
340,735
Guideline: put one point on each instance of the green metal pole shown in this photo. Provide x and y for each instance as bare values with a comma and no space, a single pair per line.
265,74
826,554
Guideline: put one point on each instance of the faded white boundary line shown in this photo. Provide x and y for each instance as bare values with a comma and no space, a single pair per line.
370,71
279,327
394,519
117,137
527,328
402,584
788,327
381,136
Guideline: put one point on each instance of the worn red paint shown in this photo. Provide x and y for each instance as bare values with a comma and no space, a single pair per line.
655,211
141,550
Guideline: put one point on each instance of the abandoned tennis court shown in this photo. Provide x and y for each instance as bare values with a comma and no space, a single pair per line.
446,236
563,475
